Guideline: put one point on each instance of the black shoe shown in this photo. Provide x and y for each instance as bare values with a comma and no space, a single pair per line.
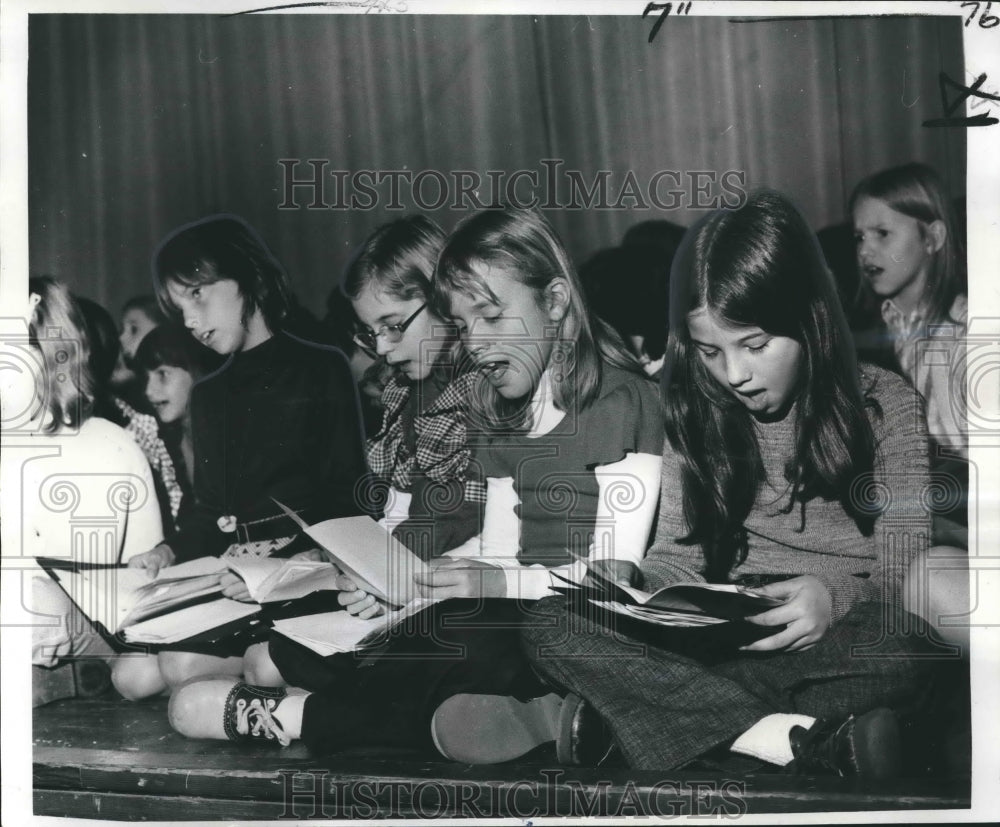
84,678
92,677
584,738
866,746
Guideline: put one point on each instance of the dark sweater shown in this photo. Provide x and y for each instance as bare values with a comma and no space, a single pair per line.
280,420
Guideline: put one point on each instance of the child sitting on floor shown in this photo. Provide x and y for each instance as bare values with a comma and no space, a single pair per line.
77,465
419,454
786,465
912,262
278,421
559,406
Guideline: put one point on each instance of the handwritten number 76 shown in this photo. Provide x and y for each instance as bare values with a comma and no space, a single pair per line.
986,20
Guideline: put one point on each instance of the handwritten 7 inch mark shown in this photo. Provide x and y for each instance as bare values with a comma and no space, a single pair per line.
664,9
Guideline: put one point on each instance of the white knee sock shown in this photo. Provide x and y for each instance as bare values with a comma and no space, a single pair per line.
768,738
289,712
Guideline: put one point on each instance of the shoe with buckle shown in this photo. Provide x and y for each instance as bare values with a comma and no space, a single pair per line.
228,710
866,746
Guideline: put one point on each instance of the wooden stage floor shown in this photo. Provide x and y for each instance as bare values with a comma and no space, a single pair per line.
108,759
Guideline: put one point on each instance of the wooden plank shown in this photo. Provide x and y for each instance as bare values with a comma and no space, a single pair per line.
77,763
381,798
125,755
115,806
375,788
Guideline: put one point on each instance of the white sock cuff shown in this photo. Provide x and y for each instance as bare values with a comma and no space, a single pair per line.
768,738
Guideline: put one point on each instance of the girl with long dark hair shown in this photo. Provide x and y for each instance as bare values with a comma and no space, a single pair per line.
788,469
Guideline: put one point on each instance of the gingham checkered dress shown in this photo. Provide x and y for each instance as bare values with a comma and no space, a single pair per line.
438,447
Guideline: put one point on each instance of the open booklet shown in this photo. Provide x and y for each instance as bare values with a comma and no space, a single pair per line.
377,563
679,605
375,560
183,600
328,633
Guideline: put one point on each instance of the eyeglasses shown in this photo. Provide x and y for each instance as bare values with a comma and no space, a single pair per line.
368,338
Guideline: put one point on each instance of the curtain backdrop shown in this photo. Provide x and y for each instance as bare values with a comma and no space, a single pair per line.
139,123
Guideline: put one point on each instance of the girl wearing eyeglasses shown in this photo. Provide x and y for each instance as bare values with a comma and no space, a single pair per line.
569,434
420,452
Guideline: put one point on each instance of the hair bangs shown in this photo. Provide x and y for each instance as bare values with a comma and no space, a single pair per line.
463,277
398,259
222,247
917,191
745,272
172,346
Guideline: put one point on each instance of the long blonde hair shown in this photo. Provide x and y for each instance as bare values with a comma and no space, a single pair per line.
917,191
57,329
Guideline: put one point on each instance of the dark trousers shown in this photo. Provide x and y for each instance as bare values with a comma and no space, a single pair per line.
387,698
666,706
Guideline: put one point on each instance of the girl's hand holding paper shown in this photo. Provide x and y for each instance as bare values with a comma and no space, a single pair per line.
357,601
235,588
806,614
152,561
461,578
622,572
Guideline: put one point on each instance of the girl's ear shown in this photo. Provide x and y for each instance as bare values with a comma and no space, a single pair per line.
935,236
557,299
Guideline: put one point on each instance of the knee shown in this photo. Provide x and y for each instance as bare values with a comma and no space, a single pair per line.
136,678
551,634
259,669
180,710
176,667
545,623
194,710
936,587
51,638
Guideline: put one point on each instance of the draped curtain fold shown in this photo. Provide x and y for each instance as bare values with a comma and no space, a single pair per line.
138,123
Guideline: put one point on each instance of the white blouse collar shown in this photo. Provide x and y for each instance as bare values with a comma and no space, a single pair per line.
544,413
